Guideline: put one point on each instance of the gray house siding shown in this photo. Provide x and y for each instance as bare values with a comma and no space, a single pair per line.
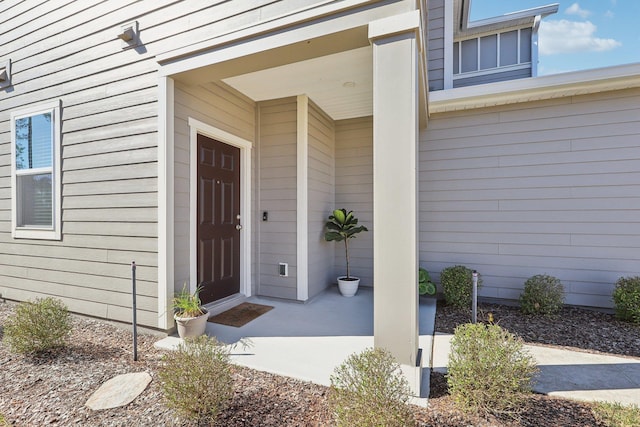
493,77
216,105
354,191
435,44
69,51
321,184
277,135
546,187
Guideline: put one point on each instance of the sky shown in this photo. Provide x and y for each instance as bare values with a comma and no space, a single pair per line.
581,35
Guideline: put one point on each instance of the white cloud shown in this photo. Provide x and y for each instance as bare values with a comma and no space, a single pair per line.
575,9
565,36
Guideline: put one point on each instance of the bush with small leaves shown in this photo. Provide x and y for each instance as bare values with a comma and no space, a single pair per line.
457,285
626,298
616,414
489,371
38,326
369,390
196,378
543,294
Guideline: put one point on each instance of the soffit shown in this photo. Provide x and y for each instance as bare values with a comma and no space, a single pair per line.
341,83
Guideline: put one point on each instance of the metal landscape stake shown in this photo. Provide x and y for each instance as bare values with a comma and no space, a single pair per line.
474,297
135,329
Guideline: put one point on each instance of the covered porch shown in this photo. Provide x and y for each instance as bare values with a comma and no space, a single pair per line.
281,94
307,341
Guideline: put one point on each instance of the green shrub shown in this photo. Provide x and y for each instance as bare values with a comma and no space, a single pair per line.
616,415
542,294
368,390
626,297
196,378
38,326
489,371
457,285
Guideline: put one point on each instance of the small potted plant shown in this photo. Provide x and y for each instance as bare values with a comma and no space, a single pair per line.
341,227
190,316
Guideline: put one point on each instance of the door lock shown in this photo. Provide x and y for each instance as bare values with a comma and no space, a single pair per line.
238,227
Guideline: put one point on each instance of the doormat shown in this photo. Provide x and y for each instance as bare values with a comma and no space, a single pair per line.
240,315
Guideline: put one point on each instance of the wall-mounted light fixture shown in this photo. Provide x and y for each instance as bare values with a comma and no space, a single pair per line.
5,73
129,34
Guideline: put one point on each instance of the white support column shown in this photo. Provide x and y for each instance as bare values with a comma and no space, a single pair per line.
302,207
395,153
165,201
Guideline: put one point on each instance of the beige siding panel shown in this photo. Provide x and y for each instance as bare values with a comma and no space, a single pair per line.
321,198
354,191
278,182
543,187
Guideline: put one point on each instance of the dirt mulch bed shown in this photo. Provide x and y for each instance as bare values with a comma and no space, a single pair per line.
52,389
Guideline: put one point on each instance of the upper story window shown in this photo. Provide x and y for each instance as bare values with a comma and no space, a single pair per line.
35,172
491,52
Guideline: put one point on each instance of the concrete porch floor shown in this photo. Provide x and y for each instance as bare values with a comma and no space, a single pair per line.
307,341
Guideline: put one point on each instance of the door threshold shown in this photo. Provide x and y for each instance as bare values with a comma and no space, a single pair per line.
225,304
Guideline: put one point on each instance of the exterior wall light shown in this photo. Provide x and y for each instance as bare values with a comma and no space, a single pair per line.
129,34
5,73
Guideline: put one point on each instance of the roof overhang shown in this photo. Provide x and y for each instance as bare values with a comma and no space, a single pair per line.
535,88
322,51
522,18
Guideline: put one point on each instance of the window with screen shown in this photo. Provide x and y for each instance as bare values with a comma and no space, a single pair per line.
35,137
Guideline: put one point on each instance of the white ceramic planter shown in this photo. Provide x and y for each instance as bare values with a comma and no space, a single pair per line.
191,326
348,288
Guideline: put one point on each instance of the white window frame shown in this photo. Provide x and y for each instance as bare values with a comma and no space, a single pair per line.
31,232
500,68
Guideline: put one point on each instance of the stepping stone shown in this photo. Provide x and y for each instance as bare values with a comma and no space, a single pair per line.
119,391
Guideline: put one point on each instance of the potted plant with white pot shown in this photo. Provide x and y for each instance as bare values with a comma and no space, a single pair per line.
341,227
191,318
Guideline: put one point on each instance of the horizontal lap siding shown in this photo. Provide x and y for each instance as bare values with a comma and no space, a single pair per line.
278,183
548,187
216,105
68,50
435,44
354,191
321,184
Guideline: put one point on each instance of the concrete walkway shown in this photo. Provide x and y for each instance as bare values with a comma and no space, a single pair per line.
307,341
571,374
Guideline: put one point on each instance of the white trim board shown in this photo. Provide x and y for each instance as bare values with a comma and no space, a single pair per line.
197,127
535,88
165,201
302,199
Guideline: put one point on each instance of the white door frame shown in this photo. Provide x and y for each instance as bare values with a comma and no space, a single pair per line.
197,127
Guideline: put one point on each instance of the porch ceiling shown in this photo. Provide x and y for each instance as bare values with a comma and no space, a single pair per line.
340,83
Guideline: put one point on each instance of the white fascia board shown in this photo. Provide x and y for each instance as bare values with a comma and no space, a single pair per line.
316,11
515,16
396,24
535,88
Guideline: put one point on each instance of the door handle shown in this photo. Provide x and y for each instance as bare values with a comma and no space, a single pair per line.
238,227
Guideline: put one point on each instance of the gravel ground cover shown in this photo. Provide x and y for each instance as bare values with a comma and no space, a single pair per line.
53,388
